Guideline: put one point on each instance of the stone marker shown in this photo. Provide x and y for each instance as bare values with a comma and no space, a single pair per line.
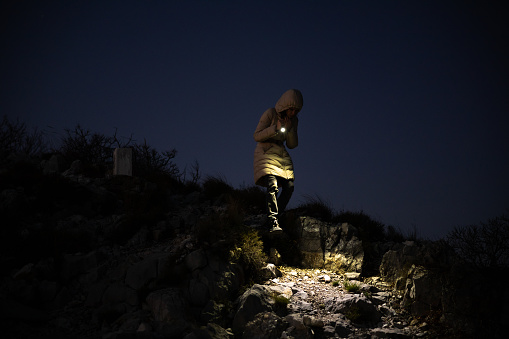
123,159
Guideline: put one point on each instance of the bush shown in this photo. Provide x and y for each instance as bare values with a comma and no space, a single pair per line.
225,232
148,162
251,198
316,207
216,186
485,245
393,234
95,150
16,139
369,228
248,252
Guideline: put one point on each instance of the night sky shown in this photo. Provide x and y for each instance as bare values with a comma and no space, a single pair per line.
406,103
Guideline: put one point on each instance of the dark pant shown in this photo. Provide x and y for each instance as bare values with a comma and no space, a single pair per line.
277,205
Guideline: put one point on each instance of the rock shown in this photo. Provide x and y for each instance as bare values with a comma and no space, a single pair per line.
170,311
355,307
212,331
141,273
285,291
352,275
388,333
270,271
312,321
255,300
13,201
342,327
423,291
25,272
74,265
13,310
264,325
198,292
76,168
275,257
118,299
295,320
196,260
329,246
325,278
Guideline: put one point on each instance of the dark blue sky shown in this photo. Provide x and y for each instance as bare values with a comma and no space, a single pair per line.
406,103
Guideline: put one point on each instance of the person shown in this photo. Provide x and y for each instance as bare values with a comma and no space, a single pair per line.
273,166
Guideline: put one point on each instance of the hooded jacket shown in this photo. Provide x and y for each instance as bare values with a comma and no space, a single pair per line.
271,156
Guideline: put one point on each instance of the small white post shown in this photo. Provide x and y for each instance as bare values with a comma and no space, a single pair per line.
123,159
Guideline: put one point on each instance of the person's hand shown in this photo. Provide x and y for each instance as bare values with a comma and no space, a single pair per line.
278,125
286,122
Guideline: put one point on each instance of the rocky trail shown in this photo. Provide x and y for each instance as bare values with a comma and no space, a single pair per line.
320,306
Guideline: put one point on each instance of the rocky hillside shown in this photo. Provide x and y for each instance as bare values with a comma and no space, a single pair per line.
126,257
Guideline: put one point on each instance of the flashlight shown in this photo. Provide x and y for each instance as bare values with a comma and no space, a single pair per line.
283,129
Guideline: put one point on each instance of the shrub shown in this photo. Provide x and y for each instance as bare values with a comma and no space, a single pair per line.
251,198
248,252
369,228
316,207
484,245
95,150
393,234
216,186
351,287
195,174
149,162
354,314
238,243
16,139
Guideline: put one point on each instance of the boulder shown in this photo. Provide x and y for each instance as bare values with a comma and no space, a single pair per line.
423,291
265,325
355,307
170,311
334,247
255,300
142,273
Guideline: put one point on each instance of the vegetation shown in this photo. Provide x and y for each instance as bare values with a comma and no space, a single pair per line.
485,245
351,287
354,314
281,303
316,207
17,139
239,244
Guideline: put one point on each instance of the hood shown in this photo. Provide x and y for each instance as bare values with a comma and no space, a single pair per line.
290,99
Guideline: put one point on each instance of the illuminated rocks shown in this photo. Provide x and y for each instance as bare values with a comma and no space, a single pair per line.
334,247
